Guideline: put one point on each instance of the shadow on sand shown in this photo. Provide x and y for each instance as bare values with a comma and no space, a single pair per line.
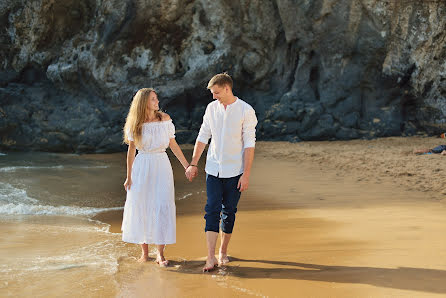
404,278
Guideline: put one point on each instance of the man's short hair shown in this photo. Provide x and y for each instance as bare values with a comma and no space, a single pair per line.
221,79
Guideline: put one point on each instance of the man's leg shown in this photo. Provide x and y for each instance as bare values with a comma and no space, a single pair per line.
231,197
211,261
223,252
214,189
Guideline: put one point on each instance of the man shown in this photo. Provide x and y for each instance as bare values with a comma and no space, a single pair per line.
230,123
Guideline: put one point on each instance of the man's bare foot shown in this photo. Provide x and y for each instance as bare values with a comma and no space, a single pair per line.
160,260
210,265
143,259
223,259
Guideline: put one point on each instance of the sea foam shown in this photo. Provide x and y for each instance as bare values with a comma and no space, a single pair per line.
15,201
60,167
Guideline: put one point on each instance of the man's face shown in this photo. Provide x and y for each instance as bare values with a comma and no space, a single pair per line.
219,92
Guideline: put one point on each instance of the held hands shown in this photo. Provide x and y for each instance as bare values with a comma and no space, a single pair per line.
243,183
191,172
127,184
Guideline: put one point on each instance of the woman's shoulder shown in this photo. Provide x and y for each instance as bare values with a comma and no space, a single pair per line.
165,116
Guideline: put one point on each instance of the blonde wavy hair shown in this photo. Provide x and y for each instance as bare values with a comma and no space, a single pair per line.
137,115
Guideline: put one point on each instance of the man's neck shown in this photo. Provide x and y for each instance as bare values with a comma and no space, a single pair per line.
231,99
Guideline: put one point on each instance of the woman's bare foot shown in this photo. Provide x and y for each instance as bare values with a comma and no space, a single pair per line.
160,260
210,265
223,259
143,258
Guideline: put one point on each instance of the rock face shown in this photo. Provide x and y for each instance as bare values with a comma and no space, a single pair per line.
313,70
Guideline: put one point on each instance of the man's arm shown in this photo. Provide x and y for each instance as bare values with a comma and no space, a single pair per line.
202,139
198,151
249,140
248,156
192,170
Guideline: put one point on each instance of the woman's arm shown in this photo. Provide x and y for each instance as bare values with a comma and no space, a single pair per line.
174,145
178,153
131,152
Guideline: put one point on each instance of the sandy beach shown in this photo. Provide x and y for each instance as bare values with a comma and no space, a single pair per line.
361,218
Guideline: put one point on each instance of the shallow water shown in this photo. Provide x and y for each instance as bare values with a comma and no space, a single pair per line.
50,243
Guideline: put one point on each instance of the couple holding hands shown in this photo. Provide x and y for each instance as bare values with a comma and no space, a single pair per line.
149,212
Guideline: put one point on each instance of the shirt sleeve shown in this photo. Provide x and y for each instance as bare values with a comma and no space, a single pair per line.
129,135
171,131
205,130
249,128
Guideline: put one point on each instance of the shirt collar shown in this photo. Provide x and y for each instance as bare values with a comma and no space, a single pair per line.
230,105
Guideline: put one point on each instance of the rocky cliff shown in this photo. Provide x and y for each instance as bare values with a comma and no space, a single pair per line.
312,69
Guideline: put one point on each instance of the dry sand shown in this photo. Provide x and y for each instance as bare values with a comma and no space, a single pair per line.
320,219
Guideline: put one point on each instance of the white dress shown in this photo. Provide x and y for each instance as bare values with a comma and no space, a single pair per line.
149,211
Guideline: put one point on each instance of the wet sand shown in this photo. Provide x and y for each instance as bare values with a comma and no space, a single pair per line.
320,219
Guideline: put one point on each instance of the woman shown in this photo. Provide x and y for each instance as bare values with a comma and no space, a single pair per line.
149,212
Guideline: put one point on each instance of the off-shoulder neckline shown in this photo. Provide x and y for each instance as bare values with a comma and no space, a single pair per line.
153,122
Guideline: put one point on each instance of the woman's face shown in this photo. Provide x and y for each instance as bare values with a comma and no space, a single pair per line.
153,103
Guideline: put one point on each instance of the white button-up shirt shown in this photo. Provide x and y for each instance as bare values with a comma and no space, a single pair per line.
232,130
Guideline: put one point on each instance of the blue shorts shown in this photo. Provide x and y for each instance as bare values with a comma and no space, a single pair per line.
439,149
222,199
